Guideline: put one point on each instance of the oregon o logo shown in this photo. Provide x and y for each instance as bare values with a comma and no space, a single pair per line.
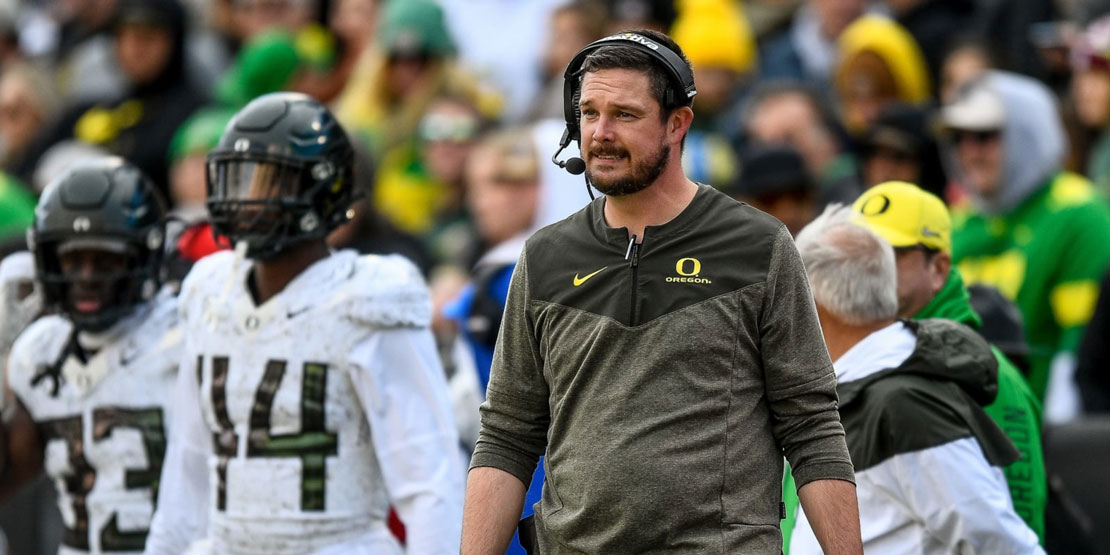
872,208
680,267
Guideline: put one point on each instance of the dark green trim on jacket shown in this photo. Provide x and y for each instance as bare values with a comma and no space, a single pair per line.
933,398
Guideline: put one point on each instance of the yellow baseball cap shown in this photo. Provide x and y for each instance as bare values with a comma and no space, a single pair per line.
905,215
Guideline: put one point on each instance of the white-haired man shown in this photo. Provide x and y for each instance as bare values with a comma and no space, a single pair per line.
926,455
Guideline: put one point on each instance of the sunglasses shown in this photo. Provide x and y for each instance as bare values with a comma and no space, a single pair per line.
451,128
978,137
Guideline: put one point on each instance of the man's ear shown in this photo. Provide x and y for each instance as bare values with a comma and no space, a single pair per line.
941,264
678,124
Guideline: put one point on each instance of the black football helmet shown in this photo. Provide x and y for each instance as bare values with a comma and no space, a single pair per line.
100,205
281,174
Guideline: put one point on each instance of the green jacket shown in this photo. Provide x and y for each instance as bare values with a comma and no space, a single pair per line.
1015,410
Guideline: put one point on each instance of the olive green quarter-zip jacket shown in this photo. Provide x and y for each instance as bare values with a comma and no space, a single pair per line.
664,380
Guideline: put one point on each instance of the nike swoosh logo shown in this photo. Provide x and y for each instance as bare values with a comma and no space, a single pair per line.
294,314
580,280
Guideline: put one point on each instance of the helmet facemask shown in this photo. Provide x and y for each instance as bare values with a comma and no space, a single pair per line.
271,202
98,281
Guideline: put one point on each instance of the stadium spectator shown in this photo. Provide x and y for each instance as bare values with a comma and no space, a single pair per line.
414,63
352,23
28,103
1035,232
80,37
900,146
1090,97
916,223
139,125
926,455
967,56
878,63
793,114
420,184
719,43
931,23
775,180
189,234
269,62
571,27
806,51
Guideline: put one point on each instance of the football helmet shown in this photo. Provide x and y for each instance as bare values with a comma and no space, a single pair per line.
103,205
281,174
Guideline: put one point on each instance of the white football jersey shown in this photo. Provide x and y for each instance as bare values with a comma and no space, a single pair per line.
293,464
103,423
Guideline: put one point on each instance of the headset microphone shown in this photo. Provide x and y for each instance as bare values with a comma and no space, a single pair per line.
574,165
675,65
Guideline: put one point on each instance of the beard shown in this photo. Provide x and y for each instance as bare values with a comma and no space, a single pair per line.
642,174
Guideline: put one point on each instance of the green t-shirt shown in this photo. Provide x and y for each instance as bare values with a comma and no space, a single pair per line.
1048,255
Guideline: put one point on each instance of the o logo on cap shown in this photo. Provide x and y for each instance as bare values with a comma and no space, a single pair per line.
680,267
242,145
81,223
872,208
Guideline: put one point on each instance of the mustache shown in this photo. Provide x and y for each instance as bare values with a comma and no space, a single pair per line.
611,151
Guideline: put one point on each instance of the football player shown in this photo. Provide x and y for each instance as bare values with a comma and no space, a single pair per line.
92,381
313,397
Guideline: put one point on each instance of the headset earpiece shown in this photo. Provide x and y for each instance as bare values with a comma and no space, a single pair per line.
678,69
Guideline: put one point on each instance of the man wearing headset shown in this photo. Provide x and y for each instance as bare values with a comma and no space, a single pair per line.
660,346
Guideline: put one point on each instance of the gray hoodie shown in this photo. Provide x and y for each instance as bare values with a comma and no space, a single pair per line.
1033,139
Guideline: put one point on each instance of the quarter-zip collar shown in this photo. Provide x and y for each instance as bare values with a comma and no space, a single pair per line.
618,237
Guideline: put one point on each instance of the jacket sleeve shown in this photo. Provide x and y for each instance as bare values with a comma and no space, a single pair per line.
401,385
962,500
799,377
515,415
183,505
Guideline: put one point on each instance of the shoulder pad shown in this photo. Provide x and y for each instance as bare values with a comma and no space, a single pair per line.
384,291
40,344
207,277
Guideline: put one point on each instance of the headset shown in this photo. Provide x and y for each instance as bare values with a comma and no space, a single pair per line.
678,69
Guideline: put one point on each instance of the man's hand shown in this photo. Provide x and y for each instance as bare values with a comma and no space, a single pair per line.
833,513
494,500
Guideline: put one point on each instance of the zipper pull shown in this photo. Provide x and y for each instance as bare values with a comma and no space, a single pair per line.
633,253
628,251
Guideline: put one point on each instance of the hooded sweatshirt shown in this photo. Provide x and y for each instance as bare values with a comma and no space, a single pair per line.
1015,409
140,124
925,453
1041,239
895,46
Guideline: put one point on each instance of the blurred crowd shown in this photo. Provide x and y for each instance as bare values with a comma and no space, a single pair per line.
999,107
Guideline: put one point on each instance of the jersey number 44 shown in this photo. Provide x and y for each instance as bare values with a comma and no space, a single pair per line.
312,445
